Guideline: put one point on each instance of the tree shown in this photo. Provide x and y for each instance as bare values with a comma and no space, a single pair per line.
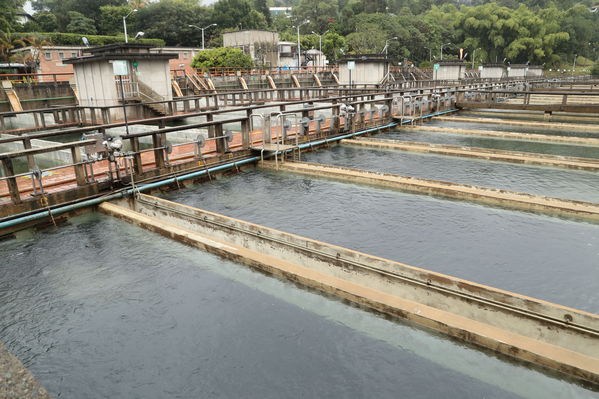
7,14
170,19
46,21
595,69
238,14
222,57
32,58
262,7
8,43
333,46
111,19
320,13
61,8
78,23
368,40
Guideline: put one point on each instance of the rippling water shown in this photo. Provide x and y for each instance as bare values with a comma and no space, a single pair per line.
530,254
554,182
102,309
494,143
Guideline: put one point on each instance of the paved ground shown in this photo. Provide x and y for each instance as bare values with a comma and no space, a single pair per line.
16,382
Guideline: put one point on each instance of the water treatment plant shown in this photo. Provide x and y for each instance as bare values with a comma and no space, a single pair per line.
301,236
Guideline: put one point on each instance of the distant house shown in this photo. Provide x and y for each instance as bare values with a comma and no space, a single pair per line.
594,8
261,45
276,11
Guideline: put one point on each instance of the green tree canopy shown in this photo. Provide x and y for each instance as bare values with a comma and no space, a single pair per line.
170,19
222,57
78,23
238,14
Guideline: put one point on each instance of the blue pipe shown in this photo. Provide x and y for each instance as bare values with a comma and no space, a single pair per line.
68,208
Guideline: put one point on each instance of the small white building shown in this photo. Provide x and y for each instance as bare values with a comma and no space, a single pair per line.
315,58
517,70
287,54
449,70
363,69
261,45
534,71
276,11
145,76
493,71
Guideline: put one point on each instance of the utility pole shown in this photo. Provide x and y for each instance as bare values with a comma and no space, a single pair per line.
320,45
443,45
299,45
387,45
202,29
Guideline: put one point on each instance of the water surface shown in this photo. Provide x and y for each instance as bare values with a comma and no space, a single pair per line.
492,143
550,181
102,309
539,256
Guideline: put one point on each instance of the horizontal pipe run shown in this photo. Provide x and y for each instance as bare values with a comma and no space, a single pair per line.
527,158
548,138
143,188
488,196
539,332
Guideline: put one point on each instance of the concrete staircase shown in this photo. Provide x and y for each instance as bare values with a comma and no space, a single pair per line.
147,94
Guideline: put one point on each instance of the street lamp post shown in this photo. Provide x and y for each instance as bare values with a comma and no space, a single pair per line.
125,23
443,45
202,29
299,46
387,45
430,54
320,46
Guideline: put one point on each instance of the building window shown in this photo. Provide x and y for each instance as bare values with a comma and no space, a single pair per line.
61,55
48,55
73,55
186,55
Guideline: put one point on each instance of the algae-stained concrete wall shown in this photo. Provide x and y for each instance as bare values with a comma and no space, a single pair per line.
513,324
45,95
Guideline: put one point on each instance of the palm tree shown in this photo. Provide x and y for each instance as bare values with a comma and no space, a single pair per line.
8,42
32,58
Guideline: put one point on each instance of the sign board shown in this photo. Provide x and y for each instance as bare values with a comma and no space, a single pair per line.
351,65
436,67
480,68
509,69
120,67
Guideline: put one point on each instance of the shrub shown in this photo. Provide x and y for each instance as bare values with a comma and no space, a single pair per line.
222,57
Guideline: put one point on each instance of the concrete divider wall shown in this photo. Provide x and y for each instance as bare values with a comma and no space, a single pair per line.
540,332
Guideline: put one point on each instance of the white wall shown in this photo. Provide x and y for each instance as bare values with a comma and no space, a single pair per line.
364,73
